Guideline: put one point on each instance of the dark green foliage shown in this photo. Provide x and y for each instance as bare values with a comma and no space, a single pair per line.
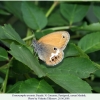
20,69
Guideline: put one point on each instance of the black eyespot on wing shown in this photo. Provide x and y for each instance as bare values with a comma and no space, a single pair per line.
52,59
55,57
55,48
63,36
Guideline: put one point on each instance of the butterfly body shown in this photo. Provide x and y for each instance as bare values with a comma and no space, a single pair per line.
50,47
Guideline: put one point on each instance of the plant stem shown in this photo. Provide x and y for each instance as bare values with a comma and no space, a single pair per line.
5,81
6,77
59,28
29,37
52,8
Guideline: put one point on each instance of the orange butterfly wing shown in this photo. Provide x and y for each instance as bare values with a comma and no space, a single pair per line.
58,39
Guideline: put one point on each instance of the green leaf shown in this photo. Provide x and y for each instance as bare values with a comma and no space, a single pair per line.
15,8
73,12
71,50
21,68
96,11
68,73
70,82
3,54
56,15
31,86
79,66
35,86
22,54
8,33
14,88
90,42
33,16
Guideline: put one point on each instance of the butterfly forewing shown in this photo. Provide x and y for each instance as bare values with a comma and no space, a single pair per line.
58,39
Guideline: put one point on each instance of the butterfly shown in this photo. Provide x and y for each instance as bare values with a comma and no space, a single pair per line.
50,47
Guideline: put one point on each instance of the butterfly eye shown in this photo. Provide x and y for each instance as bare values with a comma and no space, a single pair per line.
55,48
